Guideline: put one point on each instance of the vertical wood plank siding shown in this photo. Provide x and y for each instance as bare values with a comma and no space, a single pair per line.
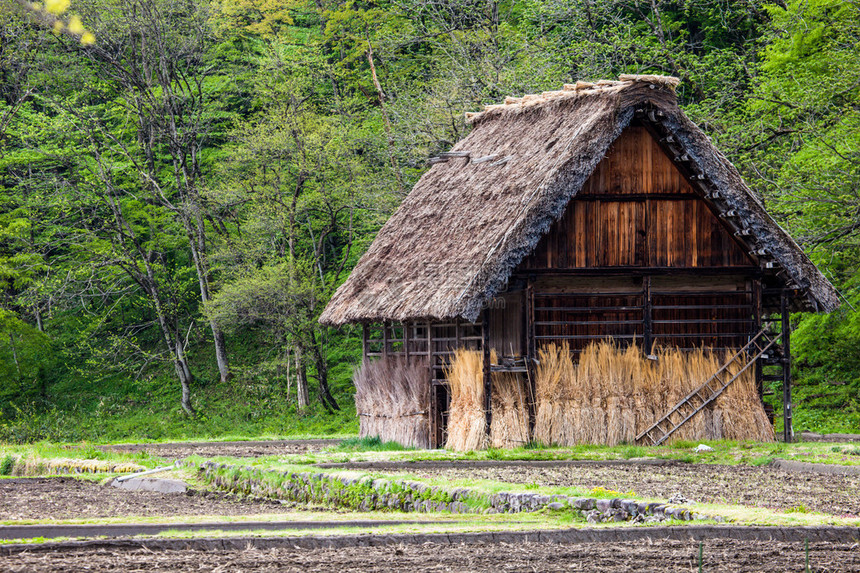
637,210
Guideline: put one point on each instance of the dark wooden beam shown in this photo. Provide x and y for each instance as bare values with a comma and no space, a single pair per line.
435,415
787,431
525,344
755,327
646,314
642,271
635,197
406,326
488,386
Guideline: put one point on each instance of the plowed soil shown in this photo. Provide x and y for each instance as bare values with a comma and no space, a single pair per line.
68,498
234,449
642,557
743,485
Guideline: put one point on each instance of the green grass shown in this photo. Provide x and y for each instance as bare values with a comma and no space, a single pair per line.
368,444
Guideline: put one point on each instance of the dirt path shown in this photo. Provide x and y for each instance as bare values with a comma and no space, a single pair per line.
69,498
643,556
751,486
249,449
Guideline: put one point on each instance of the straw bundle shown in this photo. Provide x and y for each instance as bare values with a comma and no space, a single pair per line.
510,425
683,373
467,423
391,397
742,413
613,394
554,374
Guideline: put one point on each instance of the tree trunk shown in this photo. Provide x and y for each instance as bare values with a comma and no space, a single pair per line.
185,378
15,355
323,390
385,121
197,244
301,380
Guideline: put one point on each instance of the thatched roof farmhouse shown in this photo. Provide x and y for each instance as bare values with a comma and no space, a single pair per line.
597,213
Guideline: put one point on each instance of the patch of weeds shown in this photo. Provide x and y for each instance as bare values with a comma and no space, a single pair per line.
779,448
90,452
495,454
602,492
686,459
633,452
369,444
532,445
7,465
762,461
797,509
685,444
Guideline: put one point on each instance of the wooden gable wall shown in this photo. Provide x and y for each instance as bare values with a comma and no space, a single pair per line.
637,210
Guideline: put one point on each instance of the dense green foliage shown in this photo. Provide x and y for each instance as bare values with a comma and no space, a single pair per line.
180,198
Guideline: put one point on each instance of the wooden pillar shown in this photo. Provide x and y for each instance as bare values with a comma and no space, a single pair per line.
406,340
364,335
384,339
756,327
530,321
430,358
488,386
788,430
647,337
433,400
525,345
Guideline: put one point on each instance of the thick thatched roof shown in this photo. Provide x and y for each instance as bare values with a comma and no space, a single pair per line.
470,220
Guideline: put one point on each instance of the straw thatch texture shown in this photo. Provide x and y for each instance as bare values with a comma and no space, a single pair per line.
467,422
510,422
467,224
612,394
391,400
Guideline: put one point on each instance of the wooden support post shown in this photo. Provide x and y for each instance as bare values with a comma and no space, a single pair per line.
456,333
384,339
433,409
525,341
646,314
530,322
788,430
406,340
364,329
488,386
756,327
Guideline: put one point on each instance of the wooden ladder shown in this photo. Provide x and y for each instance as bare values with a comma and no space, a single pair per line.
759,344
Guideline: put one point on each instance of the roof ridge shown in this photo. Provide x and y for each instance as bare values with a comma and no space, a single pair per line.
571,91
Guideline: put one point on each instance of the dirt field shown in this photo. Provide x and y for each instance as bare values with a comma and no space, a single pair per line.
68,498
234,449
751,486
642,557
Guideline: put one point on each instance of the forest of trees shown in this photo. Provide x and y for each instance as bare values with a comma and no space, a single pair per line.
184,183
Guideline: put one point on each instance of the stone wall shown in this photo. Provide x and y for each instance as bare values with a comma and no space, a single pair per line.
365,493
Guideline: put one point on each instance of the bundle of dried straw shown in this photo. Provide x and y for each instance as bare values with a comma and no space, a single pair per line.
390,398
614,393
510,421
467,423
